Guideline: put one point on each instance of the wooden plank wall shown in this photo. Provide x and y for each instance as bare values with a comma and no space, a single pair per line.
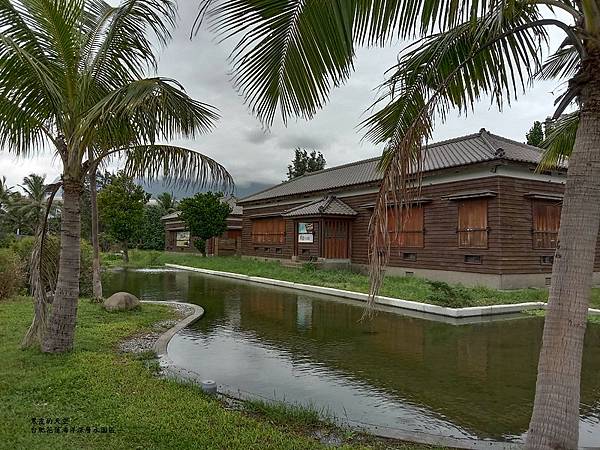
510,221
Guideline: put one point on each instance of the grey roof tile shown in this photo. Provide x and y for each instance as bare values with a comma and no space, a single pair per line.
470,149
328,205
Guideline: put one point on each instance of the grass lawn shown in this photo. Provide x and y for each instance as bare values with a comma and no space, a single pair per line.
96,386
407,288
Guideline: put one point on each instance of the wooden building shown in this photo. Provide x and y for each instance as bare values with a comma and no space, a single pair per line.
484,216
178,239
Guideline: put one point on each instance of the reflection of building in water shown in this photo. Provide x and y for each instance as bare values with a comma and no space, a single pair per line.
304,313
232,305
269,304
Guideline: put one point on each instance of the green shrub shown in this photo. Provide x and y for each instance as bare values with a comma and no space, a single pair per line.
443,294
11,273
24,246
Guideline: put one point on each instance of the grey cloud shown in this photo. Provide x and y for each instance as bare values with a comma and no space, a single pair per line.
307,141
258,136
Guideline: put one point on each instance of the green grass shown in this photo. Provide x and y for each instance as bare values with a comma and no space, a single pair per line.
282,413
94,385
407,288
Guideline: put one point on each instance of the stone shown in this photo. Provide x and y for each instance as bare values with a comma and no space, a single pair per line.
121,301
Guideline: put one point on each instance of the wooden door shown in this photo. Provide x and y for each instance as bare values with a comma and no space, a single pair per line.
336,239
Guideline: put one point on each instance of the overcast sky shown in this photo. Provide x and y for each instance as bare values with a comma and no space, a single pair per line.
256,158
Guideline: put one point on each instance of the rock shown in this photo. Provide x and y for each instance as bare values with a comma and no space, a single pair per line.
121,301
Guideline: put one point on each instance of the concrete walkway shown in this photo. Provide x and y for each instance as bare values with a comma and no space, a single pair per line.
458,313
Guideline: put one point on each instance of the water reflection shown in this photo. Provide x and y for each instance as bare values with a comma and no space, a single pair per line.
392,370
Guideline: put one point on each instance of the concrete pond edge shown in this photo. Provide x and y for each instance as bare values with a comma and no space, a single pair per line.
472,311
161,344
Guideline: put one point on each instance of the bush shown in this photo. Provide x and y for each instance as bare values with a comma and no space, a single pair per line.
444,294
11,273
24,246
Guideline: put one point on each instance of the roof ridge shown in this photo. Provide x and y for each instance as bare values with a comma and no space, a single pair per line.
483,133
512,141
451,140
303,205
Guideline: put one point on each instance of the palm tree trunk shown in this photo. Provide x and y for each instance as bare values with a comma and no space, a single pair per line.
60,333
555,420
96,280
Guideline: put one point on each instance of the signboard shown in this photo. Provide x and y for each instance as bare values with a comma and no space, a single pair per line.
305,232
182,239
305,238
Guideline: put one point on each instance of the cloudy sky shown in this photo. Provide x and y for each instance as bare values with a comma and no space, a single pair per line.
256,158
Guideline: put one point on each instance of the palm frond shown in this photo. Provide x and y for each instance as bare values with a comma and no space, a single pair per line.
175,166
22,128
290,53
380,21
43,274
120,46
145,111
563,63
559,141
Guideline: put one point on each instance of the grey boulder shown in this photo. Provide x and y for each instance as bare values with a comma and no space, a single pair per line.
121,301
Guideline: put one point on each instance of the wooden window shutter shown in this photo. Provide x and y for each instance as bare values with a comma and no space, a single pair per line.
268,231
410,234
546,223
472,223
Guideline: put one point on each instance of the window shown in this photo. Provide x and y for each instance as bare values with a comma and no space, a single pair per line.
473,259
472,223
546,221
410,233
268,231
409,256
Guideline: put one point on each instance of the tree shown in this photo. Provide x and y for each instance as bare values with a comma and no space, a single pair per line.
535,135
5,195
205,215
294,52
121,207
73,78
304,162
152,236
167,202
33,204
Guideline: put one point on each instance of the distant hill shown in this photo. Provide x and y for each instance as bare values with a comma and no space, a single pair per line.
240,191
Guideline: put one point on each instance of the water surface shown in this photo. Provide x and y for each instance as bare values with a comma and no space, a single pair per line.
393,371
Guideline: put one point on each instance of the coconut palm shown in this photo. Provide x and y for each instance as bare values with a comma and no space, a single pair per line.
34,202
5,193
167,202
73,77
291,53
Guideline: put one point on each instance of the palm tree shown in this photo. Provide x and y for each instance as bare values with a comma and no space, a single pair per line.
167,202
5,193
73,76
34,203
291,53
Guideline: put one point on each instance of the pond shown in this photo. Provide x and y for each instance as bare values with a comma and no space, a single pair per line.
392,371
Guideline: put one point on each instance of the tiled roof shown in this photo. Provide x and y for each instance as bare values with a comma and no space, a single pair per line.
326,206
173,215
471,149
236,210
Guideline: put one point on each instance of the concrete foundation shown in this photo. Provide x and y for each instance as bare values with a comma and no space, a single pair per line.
495,281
